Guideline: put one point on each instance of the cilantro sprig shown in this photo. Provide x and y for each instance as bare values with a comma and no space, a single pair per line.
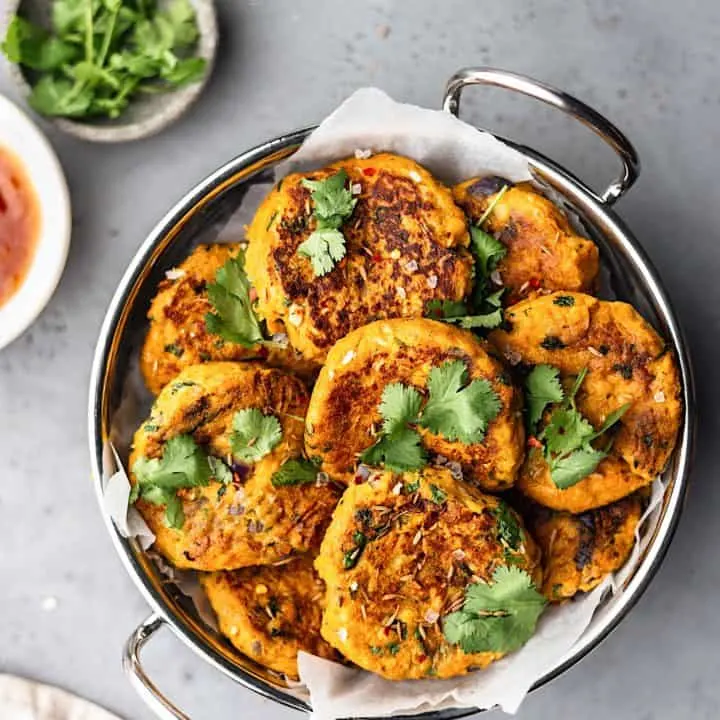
399,447
254,435
100,54
456,408
500,616
295,472
568,436
184,464
333,203
484,307
234,318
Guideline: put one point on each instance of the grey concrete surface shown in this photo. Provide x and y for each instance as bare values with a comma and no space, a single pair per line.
651,65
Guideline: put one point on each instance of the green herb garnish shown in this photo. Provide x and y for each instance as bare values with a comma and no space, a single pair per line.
333,204
351,557
399,446
456,409
183,464
295,472
567,438
234,318
496,617
508,529
100,54
254,434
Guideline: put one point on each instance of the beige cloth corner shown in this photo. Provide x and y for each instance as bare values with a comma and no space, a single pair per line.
22,699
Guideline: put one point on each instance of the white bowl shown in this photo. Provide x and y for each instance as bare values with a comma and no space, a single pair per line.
20,136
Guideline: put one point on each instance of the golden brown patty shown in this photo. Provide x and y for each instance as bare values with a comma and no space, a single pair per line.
271,612
579,551
423,538
343,415
178,337
405,244
627,362
249,522
544,253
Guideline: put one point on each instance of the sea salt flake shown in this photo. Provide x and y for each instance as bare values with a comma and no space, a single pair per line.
174,274
432,281
356,188
396,490
659,397
363,154
401,292
342,634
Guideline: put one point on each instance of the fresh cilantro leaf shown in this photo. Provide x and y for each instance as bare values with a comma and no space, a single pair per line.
487,250
399,407
186,71
445,309
470,322
332,201
220,471
508,529
181,16
542,387
567,470
174,512
398,452
254,434
566,431
455,410
295,472
567,437
399,447
234,318
52,97
497,617
183,465
30,45
324,248
333,204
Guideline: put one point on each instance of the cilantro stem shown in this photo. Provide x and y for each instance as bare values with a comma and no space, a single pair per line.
89,49
108,36
492,205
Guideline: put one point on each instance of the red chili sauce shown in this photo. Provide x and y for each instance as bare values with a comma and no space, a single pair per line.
19,224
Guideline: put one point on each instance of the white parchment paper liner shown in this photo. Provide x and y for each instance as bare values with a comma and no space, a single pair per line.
452,151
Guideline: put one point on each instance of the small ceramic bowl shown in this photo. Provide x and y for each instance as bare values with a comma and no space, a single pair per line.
20,136
145,115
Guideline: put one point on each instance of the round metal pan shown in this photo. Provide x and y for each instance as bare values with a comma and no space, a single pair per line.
212,201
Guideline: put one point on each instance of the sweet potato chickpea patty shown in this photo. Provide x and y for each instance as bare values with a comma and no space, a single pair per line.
397,558
178,335
271,612
405,246
626,363
544,253
344,417
248,521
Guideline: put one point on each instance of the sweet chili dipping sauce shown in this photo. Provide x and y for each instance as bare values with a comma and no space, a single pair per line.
19,224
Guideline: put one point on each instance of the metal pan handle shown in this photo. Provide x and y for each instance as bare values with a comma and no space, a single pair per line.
139,679
567,103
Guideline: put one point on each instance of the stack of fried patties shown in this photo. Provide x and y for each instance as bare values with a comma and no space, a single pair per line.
393,422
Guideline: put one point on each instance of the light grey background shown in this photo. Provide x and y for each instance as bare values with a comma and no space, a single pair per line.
651,65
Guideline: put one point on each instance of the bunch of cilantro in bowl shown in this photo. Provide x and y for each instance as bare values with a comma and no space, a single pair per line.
99,55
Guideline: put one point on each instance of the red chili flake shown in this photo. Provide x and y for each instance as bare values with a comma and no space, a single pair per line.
369,171
252,294
358,480
534,283
533,442
387,630
376,257
421,658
